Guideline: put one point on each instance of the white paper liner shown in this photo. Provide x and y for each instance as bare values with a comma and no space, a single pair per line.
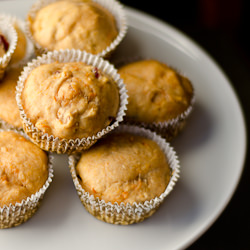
5,125
16,214
128,213
10,34
170,128
54,144
113,6
29,45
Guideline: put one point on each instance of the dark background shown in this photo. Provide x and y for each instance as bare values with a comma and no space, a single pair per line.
222,28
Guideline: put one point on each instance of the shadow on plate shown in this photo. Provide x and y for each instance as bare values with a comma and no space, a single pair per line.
180,208
198,130
58,199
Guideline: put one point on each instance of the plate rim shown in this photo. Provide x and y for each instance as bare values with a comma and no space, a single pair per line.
176,32
162,25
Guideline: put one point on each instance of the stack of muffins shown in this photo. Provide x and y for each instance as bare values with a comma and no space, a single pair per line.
60,93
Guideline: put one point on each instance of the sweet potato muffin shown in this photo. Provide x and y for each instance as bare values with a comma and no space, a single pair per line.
124,167
23,168
9,111
70,100
81,24
125,177
157,93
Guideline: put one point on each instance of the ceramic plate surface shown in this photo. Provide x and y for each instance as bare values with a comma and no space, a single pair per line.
211,150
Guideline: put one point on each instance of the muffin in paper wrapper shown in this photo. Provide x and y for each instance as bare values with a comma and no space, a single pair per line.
29,49
10,34
168,129
61,145
113,6
125,214
15,214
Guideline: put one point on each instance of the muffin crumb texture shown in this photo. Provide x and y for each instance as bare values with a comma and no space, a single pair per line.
124,168
83,25
157,93
23,168
70,100
9,111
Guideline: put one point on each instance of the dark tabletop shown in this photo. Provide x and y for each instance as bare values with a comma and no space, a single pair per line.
222,28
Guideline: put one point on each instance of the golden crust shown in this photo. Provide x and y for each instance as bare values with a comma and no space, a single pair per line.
124,168
70,100
156,92
23,168
20,50
9,111
83,25
2,51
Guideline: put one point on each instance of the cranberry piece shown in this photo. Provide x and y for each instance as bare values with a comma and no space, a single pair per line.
96,72
4,42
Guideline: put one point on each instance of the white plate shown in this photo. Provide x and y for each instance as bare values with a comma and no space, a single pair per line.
211,149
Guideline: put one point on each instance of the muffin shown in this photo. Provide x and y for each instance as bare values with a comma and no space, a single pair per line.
127,169
79,100
159,97
25,174
24,47
8,40
90,26
9,112
75,99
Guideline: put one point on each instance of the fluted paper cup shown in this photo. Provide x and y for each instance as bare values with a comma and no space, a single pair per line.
113,6
18,213
125,214
170,128
5,125
61,145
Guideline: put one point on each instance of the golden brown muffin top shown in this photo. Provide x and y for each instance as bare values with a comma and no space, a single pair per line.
23,168
83,25
157,93
124,168
70,100
21,45
2,50
9,111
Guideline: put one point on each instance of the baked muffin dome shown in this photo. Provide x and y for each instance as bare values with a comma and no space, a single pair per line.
9,111
83,25
70,100
123,167
23,168
157,93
